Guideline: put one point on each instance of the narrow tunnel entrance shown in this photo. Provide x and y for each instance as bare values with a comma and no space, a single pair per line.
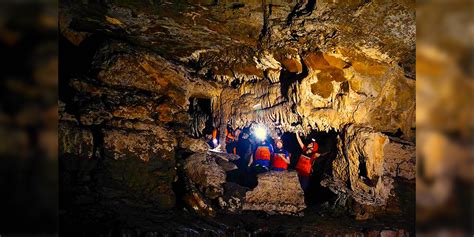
200,110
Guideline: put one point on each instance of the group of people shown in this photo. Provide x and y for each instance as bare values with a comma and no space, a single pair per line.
259,155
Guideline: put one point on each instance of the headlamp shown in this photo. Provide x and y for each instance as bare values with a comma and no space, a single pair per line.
260,133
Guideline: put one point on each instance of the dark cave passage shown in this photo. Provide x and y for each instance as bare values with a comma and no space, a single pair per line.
200,110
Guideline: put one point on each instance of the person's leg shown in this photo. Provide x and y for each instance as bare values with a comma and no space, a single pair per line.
304,181
228,147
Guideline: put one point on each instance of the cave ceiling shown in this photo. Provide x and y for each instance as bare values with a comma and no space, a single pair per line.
320,63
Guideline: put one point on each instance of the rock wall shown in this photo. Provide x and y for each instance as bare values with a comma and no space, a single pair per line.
360,163
366,165
400,159
119,124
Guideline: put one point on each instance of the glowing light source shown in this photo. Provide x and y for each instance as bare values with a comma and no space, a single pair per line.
260,133
214,141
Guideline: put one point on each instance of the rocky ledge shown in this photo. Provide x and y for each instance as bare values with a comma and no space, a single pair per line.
277,192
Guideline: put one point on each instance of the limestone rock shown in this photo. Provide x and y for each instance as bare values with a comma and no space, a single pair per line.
360,162
233,197
400,160
145,146
75,142
75,37
195,200
276,192
226,165
206,174
139,165
175,81
138,183
321,64
93,114
194,145
223,155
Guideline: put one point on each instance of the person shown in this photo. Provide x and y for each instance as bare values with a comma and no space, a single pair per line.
243,149
281,157
212,140
229,139
232,146
306,160
261,157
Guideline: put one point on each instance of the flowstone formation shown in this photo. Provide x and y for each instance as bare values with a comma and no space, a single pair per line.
153,78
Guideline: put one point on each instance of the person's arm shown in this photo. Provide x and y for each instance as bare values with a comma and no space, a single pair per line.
299,140
317,154
250,155
286,158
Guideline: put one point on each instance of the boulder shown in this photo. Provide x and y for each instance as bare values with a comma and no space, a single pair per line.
206,174
233,197
276,192
223,155
226,165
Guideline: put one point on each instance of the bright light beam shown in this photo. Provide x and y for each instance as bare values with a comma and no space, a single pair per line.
260,133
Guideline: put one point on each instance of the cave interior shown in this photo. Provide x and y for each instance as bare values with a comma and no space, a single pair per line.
142,86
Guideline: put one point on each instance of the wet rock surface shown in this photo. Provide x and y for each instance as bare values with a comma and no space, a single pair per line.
276,192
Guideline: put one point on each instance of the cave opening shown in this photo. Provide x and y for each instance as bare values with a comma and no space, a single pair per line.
200,110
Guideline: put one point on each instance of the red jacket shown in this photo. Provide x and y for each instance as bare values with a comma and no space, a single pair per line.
263,152
278,162
305,163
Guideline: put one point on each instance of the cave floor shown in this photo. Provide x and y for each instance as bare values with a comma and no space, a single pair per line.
318,220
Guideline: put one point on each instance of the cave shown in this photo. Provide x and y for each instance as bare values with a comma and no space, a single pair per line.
200,110
154,95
